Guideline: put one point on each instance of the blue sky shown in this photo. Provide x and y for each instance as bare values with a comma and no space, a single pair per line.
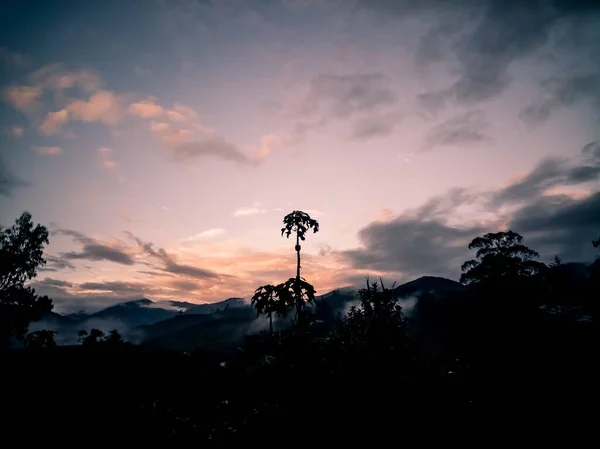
406,128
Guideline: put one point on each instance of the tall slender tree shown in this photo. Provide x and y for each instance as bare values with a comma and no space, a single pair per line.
300,223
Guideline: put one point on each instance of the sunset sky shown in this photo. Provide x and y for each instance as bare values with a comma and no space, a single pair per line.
162,142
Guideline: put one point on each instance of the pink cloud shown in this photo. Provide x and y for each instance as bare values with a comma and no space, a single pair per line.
52,123
58,77
49,151
17,131
103,106
146,109
23,98
105,157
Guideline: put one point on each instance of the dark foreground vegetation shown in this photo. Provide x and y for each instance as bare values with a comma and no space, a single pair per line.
513,354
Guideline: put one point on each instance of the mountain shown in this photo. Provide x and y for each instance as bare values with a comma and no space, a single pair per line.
132,313
220,325
432,285
122,317
220,331
201,309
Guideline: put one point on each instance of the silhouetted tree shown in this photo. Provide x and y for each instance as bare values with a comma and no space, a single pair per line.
296,293
265,302
298,222
42,339
21,253
96,337
501,257
557,262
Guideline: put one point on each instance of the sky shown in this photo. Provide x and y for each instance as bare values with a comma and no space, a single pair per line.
162,142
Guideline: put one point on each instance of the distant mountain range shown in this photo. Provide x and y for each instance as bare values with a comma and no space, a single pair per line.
183,326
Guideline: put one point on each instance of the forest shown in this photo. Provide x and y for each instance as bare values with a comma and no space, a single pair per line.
512,354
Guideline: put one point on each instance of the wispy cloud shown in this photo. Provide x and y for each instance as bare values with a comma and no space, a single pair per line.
245,211
205,235
49,151
105,158
16,131
8,180
11,58
23,98
95,250
464,129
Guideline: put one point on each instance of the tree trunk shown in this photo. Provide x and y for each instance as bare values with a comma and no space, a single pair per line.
271,324
298,254
298,275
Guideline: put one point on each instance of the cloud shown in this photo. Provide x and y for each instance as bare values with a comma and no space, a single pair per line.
325,249
80,95
206,235
432,239
55,263
115,287
105,158
8,180
561,225
55,282
49,151
58,77
376,126
245,211
16,131
464,129
11,58
415,243
180,130
53,121
95,250
23,98
483,41
170,265
552,172
563,92
102,106
370,98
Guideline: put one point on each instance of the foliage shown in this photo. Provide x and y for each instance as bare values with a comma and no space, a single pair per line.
500,258
299,222
21,253
265,302
378,321
42,339
295,293
97,337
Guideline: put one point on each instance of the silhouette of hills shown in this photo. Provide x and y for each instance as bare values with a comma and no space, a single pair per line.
200,309
216,325
436,286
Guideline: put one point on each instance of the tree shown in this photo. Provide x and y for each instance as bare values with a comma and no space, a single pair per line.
557,262
42,339
96,337
296,293
265,302
298,222
501,257
21,253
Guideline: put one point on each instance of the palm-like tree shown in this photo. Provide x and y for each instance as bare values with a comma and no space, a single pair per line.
300,223
265,302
